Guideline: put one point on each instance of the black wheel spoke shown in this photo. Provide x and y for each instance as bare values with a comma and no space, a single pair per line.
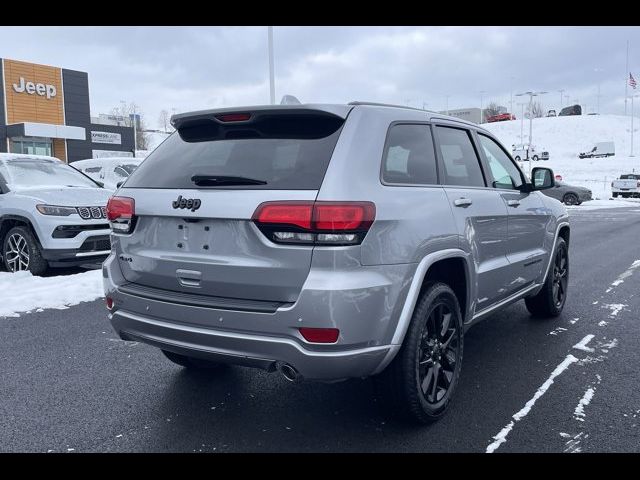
446,320
434,388
427,380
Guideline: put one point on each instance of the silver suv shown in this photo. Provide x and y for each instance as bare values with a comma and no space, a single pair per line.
331,241
50,215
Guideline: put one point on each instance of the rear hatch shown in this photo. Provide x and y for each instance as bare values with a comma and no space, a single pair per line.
195,196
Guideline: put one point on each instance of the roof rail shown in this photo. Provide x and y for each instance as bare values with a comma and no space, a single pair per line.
374,104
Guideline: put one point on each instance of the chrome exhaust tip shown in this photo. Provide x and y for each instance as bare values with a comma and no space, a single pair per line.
289,372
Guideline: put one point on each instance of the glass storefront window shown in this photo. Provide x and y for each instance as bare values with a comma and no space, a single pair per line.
32,146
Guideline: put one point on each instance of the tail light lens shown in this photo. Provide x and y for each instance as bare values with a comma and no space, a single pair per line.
315,223
121,214
320,335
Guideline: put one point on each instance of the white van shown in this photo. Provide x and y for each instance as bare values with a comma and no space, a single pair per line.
601,149
522,152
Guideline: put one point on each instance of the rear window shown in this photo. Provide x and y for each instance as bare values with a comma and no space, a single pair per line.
287,152
630,177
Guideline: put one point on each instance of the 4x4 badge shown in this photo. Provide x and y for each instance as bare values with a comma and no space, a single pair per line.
191,203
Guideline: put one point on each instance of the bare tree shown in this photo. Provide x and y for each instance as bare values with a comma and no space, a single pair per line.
537,109
124,115
492,109
163,120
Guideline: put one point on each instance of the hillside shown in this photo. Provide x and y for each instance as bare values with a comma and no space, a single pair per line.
565,137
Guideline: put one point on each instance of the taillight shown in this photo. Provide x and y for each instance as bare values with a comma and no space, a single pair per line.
109,302
121,213
315,223
320,335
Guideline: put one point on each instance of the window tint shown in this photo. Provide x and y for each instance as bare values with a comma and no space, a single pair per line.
409,156
505,173
290,152
459,159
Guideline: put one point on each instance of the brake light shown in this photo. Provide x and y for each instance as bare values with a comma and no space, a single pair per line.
109,302
315,223
234,117
121,213
320,335
285,213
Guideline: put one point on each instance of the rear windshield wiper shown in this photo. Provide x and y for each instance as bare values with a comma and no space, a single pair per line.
218,180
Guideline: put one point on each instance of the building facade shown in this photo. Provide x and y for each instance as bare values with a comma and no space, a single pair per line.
468,114
45,110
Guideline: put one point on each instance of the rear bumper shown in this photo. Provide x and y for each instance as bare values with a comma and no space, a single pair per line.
250,350
364,304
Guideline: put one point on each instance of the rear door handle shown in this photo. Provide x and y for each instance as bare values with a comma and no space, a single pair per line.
513,203
462,202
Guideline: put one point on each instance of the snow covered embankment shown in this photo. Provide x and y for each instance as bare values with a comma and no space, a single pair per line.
565,137
22,292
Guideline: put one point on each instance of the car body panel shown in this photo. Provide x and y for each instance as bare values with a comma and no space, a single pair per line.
367,291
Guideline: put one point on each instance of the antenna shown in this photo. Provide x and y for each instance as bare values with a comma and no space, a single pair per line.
289,100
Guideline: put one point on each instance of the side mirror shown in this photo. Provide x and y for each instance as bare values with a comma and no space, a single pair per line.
542,178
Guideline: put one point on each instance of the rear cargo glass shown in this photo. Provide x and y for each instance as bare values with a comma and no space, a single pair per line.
288,152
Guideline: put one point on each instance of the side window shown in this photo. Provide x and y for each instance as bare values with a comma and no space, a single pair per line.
460,162
409,156
505,173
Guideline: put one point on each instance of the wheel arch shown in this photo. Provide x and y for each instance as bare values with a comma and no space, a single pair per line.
7,222
430,268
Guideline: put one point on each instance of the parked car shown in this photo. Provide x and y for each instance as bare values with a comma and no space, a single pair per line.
285,238
110,171
601,149
551,113
571,110
50,215
500,117
522,152
569,194
628,185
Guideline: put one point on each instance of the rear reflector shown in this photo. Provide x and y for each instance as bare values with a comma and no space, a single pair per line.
320,335
234,117
109,302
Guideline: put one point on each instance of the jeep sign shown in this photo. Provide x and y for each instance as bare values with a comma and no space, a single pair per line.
39,88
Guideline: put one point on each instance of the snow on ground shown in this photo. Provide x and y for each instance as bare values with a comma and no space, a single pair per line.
565,137
22,292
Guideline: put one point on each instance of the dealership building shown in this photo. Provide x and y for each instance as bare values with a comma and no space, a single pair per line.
45,110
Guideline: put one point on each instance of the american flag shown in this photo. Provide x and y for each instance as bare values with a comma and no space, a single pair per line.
632,81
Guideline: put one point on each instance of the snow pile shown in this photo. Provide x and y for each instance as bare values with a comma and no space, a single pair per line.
22,292
565,137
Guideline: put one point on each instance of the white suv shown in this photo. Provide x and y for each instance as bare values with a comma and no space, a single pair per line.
50,215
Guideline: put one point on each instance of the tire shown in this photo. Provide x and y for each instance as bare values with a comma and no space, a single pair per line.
426,354
535,158
191,363
615,194
570,199
550,300
517,159
21,252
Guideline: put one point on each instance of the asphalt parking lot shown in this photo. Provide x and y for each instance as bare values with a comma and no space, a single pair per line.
559,385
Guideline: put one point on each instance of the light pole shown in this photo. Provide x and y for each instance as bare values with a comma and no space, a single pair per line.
482,92
521,121
531,95
272,82
632,97
598,96
135,130
561,95
511,97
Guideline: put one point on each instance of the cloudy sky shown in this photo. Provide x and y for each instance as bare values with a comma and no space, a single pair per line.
189,68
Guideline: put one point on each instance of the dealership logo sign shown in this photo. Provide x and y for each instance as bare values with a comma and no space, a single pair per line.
31,88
